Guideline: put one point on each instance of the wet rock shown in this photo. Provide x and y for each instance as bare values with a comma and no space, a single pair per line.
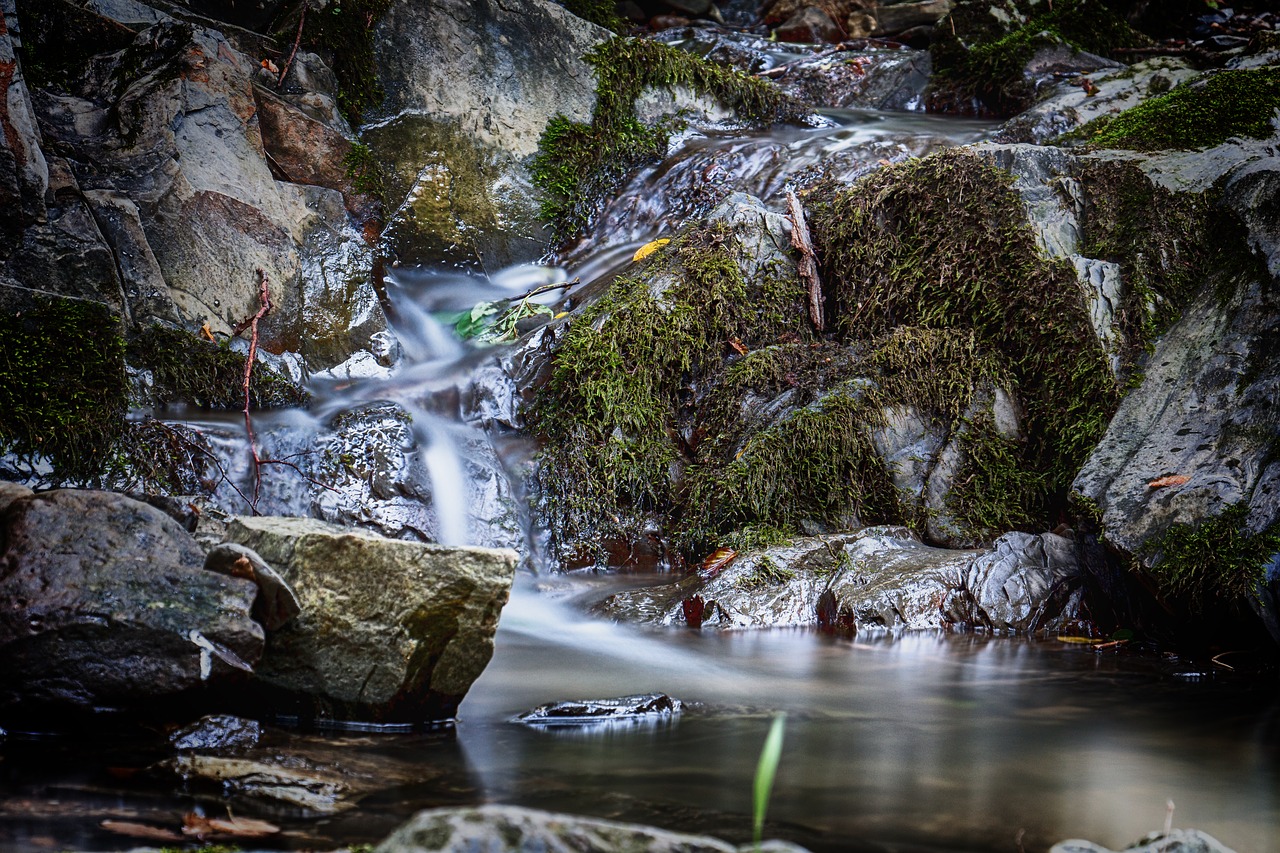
509,828
275,605
875,79
389,630
470,89
641,708
893,18
1110,90
1174,841
809,25
297,782
879,577
217,732
107,606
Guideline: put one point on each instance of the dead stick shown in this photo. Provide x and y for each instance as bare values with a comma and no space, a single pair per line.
808,266
297,40
264,307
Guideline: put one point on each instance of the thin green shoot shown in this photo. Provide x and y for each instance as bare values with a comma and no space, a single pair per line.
765,771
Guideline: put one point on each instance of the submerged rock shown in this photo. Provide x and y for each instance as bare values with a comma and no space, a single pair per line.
508,829
880,577
586,712
107,606
389,630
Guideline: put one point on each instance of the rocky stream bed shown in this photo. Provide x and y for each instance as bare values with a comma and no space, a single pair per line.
905,368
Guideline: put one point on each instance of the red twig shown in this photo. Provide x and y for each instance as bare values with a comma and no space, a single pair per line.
264,308
297,40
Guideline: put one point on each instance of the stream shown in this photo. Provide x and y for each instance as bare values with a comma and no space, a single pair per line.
914,742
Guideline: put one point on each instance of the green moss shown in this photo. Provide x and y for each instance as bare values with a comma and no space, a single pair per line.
1169,247
62,385
1199,114
342,33
364,170
188,368
603,13
620,416
976,59
579,166
1217,560
764,574
943,244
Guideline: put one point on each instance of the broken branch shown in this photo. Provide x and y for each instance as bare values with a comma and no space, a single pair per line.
808,265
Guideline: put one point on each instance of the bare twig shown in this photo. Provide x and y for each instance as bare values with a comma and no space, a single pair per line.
808,266
264,308
297,40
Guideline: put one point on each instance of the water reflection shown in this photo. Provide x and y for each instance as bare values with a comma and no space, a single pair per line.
941,741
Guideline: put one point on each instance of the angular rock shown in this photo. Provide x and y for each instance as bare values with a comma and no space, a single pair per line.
389,630
275,605
1175,841
106,605
879,577
507,829
810,25
893,18
644,707
217,732
298,783
470,89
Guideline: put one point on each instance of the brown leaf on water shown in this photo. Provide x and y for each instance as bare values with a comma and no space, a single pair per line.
717,560
200,826
140,830
1171,480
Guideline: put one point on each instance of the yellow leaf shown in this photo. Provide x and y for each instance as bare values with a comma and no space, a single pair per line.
1083,641
649,248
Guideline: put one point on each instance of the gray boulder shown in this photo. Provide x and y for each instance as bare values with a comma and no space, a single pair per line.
389,630
470,89
106,605
509,829
879,577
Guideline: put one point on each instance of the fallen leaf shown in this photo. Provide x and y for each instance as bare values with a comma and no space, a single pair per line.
200,826
206,332
140,830
738,346
1081,641
270,66
1171,480
649,248
717,560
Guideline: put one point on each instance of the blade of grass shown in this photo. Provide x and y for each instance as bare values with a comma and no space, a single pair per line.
765,771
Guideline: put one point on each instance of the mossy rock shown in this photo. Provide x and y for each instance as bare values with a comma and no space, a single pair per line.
981,48
63,393
579,166
1216,561
186,368
1200,114
342,34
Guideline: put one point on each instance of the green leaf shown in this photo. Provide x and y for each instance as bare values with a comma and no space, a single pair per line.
765,771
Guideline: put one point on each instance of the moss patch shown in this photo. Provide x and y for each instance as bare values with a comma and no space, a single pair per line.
620,415
1218,559
943,244
975,58
62,385
764,574
602,13
1199,114
579,165
1168,245
188,368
